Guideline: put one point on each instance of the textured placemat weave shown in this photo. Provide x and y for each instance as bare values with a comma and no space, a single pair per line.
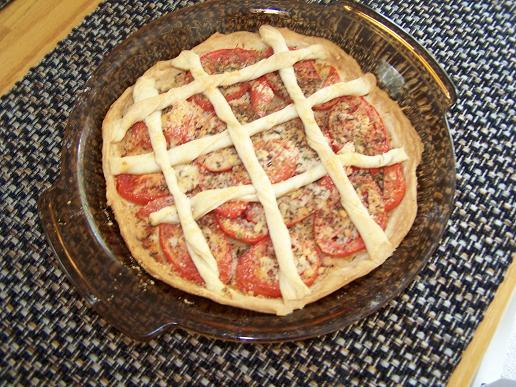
48,334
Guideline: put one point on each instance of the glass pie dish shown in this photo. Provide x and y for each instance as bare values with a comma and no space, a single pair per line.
86,239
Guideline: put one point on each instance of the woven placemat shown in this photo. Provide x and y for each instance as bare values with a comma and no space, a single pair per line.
48,334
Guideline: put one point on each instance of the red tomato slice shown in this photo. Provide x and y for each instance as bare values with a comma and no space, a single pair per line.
257,270
136,140
228,59
277,157
203,102
334,232
330,76
141,189
231,93
267,52
236,91
353,119
261,96
308,78
276,84
173,244
250,227
301,203
231,209
155,205
393,186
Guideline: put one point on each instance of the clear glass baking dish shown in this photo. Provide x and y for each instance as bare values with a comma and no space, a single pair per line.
86,240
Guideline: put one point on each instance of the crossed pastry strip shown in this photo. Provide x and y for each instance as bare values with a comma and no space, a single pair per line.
147,106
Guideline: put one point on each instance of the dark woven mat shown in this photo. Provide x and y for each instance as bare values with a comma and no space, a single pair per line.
3,3
49,335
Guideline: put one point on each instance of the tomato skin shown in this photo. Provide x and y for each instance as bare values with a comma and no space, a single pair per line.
227,59
305,69
247,276
203,102
261,96
334,233
393,186
178,257
252,277
331,78
277,157
276,84
231,209
236,92
243,227
154,205
182,263
137,139
369,135
141,189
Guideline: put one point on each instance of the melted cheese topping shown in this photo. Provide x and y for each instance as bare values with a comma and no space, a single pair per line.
195,242
378,245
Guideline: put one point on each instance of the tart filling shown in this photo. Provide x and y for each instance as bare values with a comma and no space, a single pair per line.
262,171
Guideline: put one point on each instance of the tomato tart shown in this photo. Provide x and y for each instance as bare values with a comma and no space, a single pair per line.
260,170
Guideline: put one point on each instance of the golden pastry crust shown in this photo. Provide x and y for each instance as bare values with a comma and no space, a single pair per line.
343,271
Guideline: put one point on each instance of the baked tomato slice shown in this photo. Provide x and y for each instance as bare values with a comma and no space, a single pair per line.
301,203
277,157
141,189
231,93
155,205
393,186
334,232
231,209
236,91
276,84
209,180
330,76
228,59
261,96
173,244
257,269
250,226
136,140
308,78
354,120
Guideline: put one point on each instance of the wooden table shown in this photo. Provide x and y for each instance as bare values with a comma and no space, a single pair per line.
29,29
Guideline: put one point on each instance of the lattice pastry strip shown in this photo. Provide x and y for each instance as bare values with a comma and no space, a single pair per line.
196,243
378,245
291,285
